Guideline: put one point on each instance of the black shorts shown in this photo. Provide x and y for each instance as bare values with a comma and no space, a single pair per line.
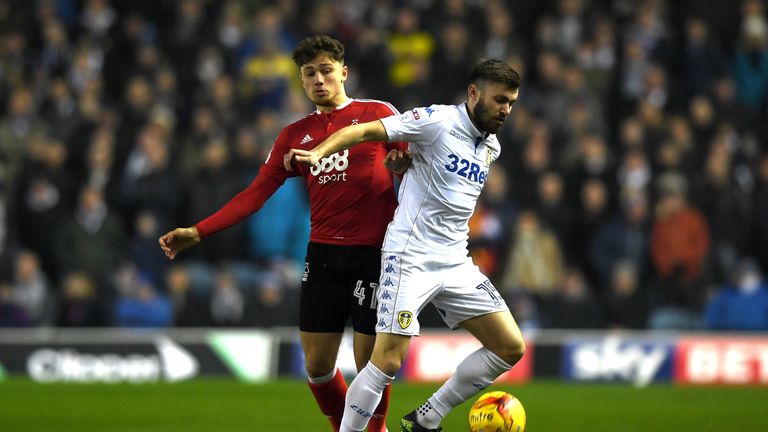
340,282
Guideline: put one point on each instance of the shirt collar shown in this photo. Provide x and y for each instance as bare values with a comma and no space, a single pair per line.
340,107
478,135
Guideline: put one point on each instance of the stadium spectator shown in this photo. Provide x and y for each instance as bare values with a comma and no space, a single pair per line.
11,313
30,289
750,62
680,244
148,182
274,304
142,246
279,231
227,303
45,191
89,238
19,124
742,304
574,304
680,241
623,239
79,305
189,308
536,159
453,52
535,261
597,57
139,304
702,60
726,206
502,39
209,187
98,171
595,212
626,300
760,212
555,212
410,45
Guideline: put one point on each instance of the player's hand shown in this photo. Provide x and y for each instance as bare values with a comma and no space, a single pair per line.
398,161
178,240
288,160
307,157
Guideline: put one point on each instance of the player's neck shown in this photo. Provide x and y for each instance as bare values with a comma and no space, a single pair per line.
473,118
339,101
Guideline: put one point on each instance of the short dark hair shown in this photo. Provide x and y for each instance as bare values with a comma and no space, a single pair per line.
311,46
495,71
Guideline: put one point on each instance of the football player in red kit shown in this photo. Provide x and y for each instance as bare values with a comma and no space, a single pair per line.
352,199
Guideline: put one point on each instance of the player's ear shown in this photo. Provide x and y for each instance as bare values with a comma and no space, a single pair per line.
344,73
474,93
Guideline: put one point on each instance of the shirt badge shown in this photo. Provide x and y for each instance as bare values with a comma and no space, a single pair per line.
404,318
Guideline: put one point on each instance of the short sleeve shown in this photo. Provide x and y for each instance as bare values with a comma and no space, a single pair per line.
420,126
385,110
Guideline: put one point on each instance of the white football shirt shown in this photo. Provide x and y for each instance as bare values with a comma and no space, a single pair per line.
451,158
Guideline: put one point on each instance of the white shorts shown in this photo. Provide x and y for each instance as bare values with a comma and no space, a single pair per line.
458,290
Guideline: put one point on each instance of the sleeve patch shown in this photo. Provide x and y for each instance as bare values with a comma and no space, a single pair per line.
408,117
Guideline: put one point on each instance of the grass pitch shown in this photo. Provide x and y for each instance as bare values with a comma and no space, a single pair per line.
228,406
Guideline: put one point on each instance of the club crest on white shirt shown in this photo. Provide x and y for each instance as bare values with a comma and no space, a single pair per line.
488,156
404,318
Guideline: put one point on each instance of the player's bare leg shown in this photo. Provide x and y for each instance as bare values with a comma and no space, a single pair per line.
363,347
499,333
366,390
503,346
325,381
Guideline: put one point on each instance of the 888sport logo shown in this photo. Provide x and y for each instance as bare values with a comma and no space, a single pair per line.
336,162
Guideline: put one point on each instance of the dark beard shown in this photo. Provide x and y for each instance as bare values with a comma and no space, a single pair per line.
484,120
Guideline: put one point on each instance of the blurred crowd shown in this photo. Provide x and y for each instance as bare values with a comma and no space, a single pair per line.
632,189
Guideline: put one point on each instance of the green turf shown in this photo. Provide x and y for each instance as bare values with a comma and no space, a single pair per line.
224,405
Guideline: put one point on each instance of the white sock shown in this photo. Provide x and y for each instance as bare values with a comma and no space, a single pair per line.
474,373
322,379
363,396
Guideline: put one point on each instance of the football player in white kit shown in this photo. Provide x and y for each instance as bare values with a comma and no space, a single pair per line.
425,256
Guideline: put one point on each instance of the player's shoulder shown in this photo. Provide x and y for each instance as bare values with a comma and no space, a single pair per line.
426,114
493,141
434,112
379,106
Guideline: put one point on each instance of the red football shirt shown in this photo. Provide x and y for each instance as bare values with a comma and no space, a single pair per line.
351,193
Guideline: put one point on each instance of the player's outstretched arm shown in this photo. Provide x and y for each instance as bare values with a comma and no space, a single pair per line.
338,141
178,240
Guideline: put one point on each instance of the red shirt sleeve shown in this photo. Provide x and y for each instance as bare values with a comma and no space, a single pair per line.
244,204
252,198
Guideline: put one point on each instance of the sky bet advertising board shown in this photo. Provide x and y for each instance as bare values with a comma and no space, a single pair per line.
616,359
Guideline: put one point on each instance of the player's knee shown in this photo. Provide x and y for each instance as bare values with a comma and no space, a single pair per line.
512,350
388,362
317,367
